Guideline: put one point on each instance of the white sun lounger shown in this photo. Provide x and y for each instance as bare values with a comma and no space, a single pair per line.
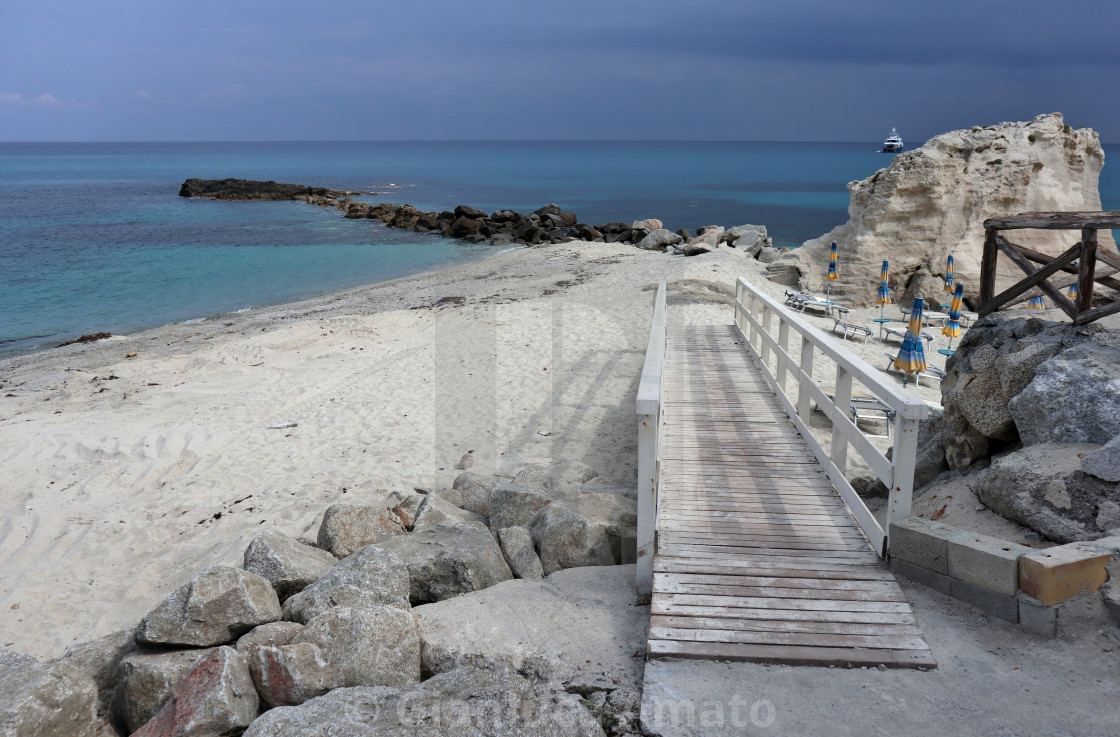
931,372
851,327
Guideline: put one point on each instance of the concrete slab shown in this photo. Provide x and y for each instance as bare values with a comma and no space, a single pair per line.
992,679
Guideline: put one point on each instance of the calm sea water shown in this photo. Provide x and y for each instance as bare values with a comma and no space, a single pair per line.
94,237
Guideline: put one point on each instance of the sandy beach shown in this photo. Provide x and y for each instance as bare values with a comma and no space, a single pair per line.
124,476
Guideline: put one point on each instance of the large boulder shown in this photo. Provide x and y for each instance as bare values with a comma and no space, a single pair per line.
585,530
449,560
703,243
471,491
576,626
435,511
101,659
513,505
932,201
517,547
373,646
146,681
1043,487
216,606
371,576
467,702
273,634
289,565
658,239
564,475
46,700
347,527
1074,397
216,697
749,238
289,675
1104,463
649,225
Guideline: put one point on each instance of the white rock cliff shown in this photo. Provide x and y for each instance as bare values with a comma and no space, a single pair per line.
933,201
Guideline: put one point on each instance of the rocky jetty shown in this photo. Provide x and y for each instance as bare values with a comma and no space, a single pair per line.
250,190
932,202
430,600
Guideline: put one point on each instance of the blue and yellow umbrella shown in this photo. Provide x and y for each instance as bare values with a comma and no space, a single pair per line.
1072,291
949,272
953,324
883,296
1036,303
912,356
832,275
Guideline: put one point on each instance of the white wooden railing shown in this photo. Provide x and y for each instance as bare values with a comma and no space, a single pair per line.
754,313
649,443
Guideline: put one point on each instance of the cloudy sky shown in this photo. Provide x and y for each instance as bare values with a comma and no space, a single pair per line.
821,70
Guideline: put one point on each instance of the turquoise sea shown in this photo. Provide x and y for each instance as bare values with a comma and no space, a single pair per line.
94,237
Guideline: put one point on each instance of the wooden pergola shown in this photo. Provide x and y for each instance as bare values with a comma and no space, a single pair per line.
1085,272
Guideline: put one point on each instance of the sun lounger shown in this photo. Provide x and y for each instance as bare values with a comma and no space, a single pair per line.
851,327
901,335
866,406
931,372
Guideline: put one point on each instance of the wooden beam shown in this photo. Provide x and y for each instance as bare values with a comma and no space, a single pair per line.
1086,268
1057,221
1098,312
988,268
1101,277
1034,279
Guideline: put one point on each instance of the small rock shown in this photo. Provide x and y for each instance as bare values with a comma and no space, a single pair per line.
216,697
291,674
289,565
216,606
467,461
373,646
371,576
517,546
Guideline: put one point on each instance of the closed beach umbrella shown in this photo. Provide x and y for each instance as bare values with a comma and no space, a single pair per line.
912,356
1072,291
949,274
1036,303
953,324
883,296
832,275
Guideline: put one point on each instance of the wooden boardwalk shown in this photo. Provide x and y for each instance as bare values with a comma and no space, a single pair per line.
758,558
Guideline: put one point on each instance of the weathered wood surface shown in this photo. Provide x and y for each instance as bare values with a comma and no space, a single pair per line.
758,558
1057,221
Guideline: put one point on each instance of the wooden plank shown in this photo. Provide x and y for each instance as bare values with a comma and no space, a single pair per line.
786,582
884,594
792,655
663,607
760,567
781,625
1102,220
885,642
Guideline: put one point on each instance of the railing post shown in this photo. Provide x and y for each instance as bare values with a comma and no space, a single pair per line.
904,457
647,500
1086,268
764,349
843,399
803,396
783,341
988,267
738,302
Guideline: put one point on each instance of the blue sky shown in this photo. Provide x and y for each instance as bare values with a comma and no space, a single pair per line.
823,70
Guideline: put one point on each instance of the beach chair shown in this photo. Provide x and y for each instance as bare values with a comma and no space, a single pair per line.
852,328
901,335
866,407
818,305
967,318
931,372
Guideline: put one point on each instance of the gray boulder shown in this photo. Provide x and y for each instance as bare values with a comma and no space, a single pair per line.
1043,487
373,646
289,675
784,272
1073,398
1104,463
767,255
580,625
216,697
648,225
703,243
371,576
449,560
347,527
46,700
512,504
586,530
289,565
216,606
658,239
273,634
101,659
517,547
565,475
467,702
11,659
471,491
749,238
145,682
930,462
436,511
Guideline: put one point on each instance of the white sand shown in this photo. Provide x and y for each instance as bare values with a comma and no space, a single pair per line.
115,491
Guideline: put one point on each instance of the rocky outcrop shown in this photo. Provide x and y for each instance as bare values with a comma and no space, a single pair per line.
371,576
216,606
247,189
289,565
467,702
932,201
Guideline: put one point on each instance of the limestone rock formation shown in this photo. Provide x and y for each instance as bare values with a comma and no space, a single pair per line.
932,201
216,606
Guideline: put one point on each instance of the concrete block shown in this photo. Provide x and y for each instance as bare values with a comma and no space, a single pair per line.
994,603
937,581
985,561
1036,617
629,551
1062,572
922,542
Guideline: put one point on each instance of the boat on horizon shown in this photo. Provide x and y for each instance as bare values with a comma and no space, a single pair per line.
893,144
